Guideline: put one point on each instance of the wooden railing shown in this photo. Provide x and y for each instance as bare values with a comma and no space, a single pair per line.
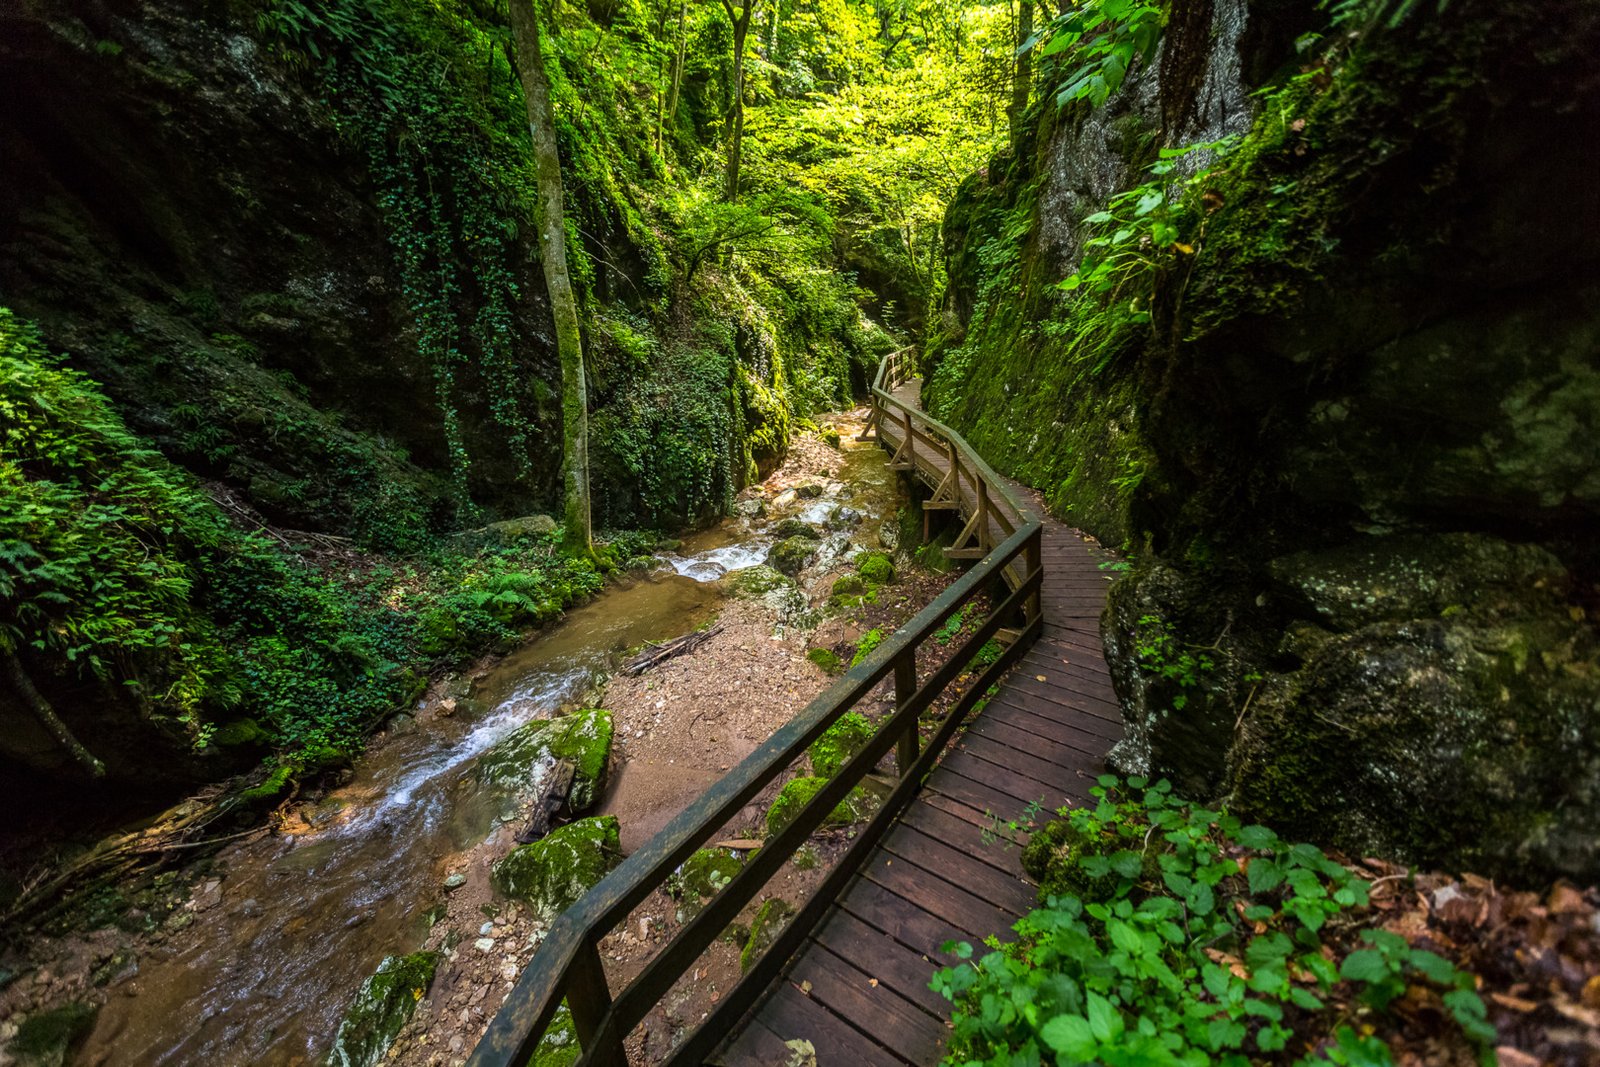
567,967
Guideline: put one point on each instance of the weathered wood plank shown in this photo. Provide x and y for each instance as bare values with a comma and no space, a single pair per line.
790,1014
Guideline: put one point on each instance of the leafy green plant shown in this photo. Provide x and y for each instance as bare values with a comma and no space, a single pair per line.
867,645
1100,40
1172,934
1162,654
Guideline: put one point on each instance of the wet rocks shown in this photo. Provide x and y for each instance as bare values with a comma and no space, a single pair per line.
519,763
551,874
790,555
795,528
44,1038
381,1007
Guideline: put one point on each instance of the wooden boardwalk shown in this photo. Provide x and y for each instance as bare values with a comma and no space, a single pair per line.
858,988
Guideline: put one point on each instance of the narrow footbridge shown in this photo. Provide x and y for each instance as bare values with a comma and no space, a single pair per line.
850,971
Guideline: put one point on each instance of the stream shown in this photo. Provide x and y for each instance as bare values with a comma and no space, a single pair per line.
281,941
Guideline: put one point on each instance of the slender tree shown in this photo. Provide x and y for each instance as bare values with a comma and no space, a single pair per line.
1022,72
553,255
741,17
670,115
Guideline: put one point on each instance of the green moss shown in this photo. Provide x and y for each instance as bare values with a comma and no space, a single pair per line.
559,1047
839,742
47,1035
239,732
583,737
770,919
798,792
702,876
875,568
551,874
790,555
827,659
795,528
849,584
381,1007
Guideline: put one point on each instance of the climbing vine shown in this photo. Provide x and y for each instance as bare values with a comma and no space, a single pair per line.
449,181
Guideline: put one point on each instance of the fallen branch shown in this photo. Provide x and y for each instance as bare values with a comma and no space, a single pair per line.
656,655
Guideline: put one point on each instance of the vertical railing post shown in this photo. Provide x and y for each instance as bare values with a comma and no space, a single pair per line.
589,998
984,540
905,684
1034,555
911,441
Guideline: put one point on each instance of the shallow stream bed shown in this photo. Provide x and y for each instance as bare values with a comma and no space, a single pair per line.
262,964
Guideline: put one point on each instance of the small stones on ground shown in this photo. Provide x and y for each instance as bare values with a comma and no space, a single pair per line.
484,944
455,881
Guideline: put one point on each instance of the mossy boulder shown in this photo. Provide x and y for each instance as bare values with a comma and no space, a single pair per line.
791,555
559,1047
875,568
779,593
770,919
796,528
702,876
753,583
827,659
809,491
797,793
517,764
1427,697
849,585
43,1039
381,1007
839,742
552,873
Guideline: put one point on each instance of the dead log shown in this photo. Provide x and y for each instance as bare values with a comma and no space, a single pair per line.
656,655
552,799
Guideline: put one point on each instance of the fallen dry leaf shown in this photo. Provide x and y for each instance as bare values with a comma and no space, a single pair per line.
873,982
805,987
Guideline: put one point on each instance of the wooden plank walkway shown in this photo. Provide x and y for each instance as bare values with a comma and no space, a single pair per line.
858,989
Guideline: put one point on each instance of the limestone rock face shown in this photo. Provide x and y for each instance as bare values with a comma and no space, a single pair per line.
1352,450
1433,697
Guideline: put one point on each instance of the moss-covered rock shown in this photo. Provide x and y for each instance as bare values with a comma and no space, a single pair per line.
381,1007
849,585
44,1038
839,742
559,1047
778,592
827,659
770,919
798,792
551,874
796,528
518,763
790,555
875,568
702,876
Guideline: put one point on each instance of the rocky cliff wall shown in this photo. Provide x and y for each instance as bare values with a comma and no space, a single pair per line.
1348,438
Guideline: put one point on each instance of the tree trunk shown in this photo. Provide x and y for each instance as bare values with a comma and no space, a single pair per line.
1022,73
741,30
671,117
553,255
17,677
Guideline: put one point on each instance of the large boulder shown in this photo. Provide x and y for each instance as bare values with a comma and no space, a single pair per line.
518,764
1435,698
552,873
382,1006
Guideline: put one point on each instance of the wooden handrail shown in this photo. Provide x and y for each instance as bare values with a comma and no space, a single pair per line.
567,965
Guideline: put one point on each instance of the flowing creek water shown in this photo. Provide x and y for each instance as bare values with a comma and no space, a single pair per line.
300,919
